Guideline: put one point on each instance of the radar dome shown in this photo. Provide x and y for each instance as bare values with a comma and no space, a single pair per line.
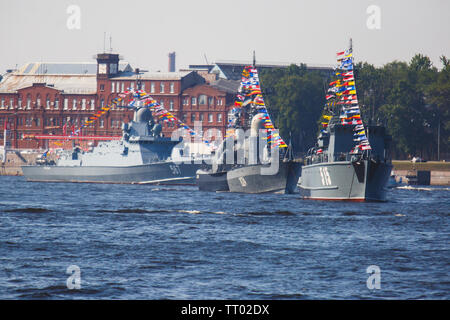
143,115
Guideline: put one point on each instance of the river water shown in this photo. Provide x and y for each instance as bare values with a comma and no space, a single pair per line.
174,242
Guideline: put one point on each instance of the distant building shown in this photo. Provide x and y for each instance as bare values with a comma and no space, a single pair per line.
233,70
209,103
48,98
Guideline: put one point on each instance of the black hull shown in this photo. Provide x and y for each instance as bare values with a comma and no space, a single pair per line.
212,181
248,179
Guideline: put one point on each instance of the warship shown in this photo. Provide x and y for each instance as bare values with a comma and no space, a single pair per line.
141,156
252,158
351,161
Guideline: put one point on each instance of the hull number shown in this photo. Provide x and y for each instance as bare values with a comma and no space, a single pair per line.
175,169
324,174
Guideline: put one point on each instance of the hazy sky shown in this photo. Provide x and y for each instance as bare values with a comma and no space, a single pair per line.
144,32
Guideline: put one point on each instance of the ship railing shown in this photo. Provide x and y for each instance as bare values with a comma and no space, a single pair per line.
337,157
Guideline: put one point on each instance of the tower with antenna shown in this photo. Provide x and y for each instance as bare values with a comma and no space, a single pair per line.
171,62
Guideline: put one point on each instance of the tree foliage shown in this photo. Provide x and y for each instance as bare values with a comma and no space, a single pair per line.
411,99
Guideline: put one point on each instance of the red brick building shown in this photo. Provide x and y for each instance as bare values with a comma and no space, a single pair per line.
44,98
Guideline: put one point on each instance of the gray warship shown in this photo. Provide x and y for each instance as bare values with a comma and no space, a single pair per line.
337,174
350,161
254,167
142,156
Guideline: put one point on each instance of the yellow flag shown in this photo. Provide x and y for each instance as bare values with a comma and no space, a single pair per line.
326,117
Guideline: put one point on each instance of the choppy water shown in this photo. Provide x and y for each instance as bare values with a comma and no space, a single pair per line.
160,242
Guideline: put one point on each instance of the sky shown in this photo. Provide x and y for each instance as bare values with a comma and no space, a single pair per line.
200,31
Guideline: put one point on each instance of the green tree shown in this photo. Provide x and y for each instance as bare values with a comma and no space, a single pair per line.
295,98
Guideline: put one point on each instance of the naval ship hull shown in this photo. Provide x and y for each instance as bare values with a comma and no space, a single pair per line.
154,173
214,182
364,180
248,179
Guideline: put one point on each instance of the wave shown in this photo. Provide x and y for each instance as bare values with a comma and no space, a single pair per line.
190,211
423,188
132,210
29,210
350,213
267,213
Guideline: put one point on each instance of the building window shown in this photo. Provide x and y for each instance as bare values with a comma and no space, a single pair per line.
192,117
56,103
201,117
194,101
102,123
92,104
102,103
161,103
38,100
172,87
102,87
83,104
219,117
113,87
211,101
66,104
171,105
161,87
202,100
3,103
122,88
210,117
28,101
152,87
20,102
74,104
185,101
47,102
11,103
132,85
143,86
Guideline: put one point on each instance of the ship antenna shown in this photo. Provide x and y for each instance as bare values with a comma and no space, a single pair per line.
104,40
138,79
254,58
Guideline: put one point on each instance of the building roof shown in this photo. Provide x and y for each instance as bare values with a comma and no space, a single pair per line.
233,70
152,75
229,86
83,84
61,68
73,78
